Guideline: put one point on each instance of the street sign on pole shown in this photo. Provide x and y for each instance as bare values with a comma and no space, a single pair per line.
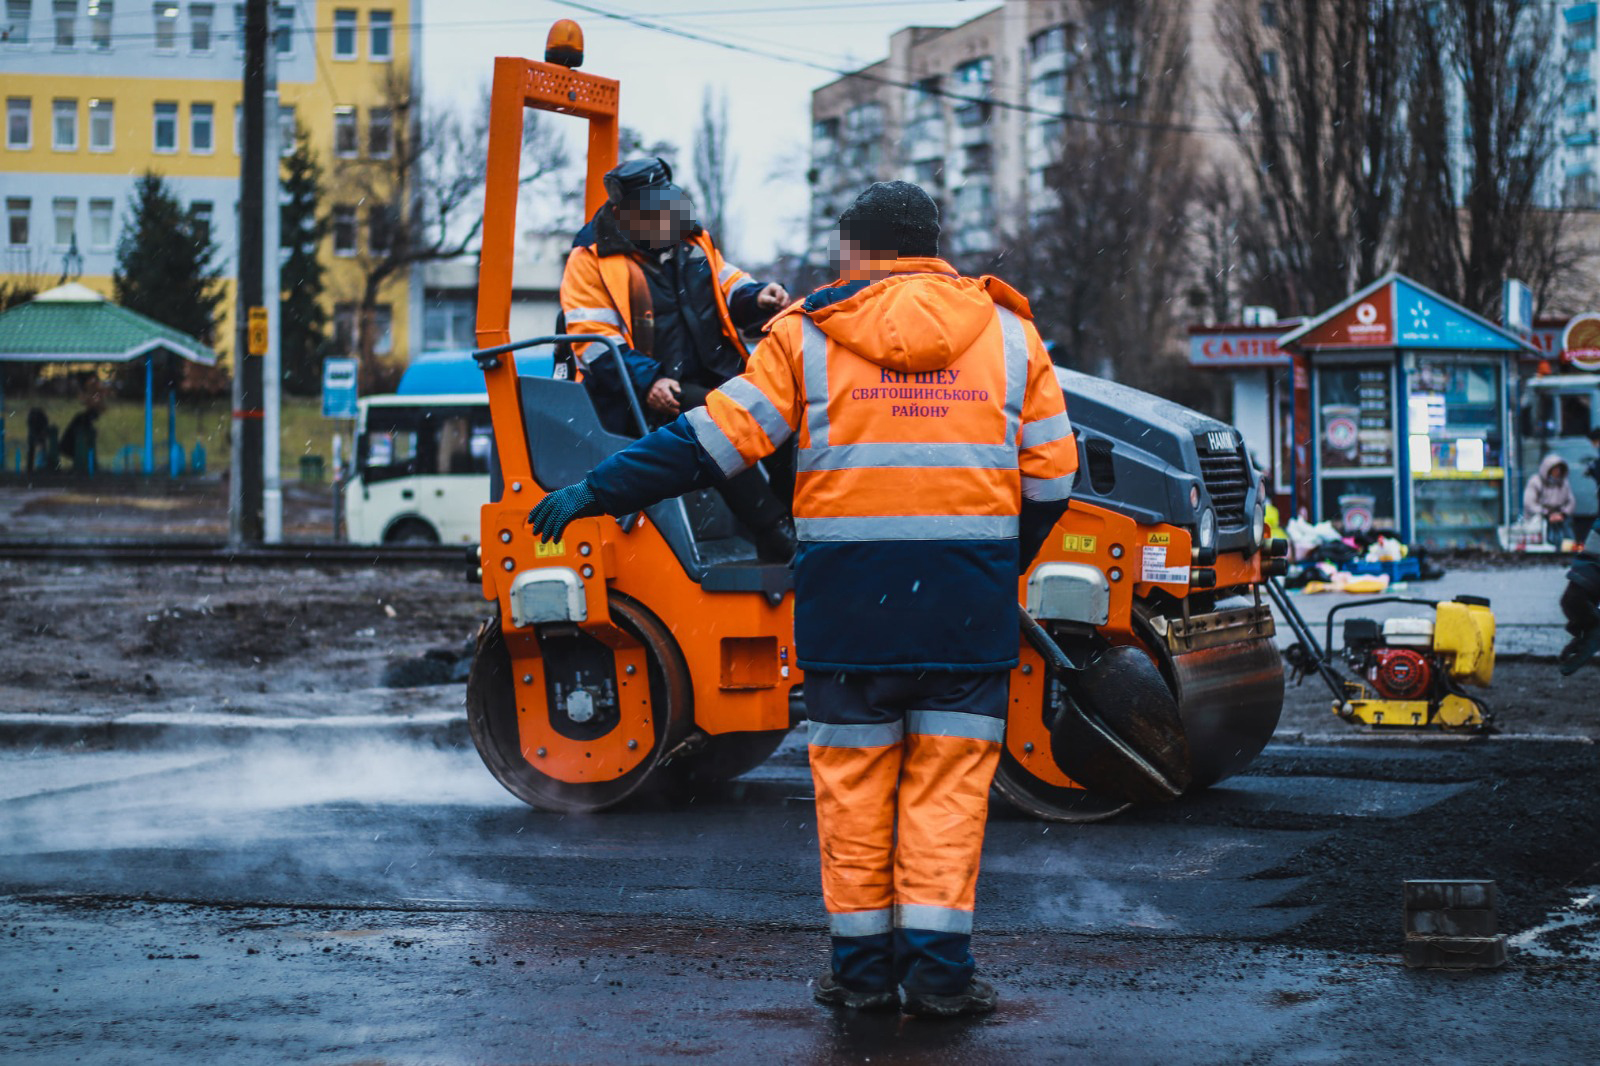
338,388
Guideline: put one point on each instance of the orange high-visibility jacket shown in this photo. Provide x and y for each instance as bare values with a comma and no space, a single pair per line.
927,411
594,293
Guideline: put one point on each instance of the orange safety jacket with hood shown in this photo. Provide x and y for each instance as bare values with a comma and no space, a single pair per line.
933,434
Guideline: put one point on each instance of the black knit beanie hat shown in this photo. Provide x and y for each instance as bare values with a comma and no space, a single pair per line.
893,216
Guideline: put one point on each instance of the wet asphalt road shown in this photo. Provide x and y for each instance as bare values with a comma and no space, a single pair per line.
393,904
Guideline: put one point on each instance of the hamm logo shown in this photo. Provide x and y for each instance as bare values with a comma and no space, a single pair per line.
1219,440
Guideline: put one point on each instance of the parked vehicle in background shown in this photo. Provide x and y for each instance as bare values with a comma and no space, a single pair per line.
1558,411
423,455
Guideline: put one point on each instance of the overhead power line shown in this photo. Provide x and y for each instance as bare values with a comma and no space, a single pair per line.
866,75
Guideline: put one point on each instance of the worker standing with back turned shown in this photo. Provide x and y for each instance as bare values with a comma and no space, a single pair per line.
935,455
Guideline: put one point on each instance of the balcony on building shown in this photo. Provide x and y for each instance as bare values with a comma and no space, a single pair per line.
1580,138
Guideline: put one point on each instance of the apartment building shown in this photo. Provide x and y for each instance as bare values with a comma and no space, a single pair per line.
1579,154
971,113
98,91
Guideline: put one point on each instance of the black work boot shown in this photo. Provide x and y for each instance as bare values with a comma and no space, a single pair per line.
977,998
776,543
829,991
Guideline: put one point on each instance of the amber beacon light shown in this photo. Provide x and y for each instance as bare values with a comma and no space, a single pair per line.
564,46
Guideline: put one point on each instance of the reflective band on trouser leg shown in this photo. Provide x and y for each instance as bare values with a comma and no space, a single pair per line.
715,442
855,788
753,400
950,760
814,356
1016,356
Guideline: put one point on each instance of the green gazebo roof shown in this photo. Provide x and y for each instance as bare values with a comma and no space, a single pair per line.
74,324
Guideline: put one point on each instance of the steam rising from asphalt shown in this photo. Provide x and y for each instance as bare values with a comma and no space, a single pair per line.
242,813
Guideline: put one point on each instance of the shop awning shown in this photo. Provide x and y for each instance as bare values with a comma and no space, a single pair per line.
1397,312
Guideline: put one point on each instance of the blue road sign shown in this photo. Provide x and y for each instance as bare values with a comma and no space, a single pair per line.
338,388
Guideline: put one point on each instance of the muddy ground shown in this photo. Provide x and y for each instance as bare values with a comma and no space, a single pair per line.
217,638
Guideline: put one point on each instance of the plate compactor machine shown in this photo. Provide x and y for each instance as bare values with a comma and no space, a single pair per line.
1409,672
654,652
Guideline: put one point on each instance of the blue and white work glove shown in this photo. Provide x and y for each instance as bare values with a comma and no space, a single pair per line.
551,515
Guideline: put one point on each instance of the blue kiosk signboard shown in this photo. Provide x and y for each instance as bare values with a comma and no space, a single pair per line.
1411,415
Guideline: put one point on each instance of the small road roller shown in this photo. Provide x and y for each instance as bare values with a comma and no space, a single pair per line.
655,652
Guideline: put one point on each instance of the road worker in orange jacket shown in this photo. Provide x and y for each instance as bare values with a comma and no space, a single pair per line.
643,272
935,454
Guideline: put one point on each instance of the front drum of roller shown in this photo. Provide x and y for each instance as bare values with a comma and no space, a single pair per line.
492,712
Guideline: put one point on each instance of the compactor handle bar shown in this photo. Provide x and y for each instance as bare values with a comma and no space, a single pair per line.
489,358
1328,632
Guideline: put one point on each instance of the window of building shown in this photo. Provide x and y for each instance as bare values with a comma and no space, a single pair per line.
979,159
380,229
166,15
383,329
926,99
344,229
287,129
200,128
66,214
380,35
66,19
64,125
448,324
17,209
165,137
1047,42
238,28
102,125
825,129
100,214
100,25
929,173
19,16
283,28
19,122
1269,14
380,133
345,142
200,212
344,34
201,18
344,327
975,73
1269,63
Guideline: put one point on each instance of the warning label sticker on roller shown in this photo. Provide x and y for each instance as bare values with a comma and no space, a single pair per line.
1154,567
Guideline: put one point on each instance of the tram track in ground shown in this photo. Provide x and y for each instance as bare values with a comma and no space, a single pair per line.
134,551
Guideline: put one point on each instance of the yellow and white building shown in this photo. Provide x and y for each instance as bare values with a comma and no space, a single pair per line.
98,91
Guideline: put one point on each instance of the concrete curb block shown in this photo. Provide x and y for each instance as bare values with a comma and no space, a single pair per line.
157,731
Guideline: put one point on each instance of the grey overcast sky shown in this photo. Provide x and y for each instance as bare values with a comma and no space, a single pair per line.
664,76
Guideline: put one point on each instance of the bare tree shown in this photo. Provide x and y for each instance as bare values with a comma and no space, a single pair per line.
714,163
1465,240
1318,112
1107,258
415,186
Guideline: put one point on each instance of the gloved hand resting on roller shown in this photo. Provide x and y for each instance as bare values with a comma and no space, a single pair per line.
552,515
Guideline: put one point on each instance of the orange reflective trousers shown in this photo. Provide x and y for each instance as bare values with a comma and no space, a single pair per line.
902,764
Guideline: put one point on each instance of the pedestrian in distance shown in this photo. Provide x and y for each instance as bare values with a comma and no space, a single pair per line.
643,272
1580,600
38,438
1549,495
79,440
935,454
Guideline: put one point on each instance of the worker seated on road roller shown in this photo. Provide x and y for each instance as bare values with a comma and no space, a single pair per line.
645,273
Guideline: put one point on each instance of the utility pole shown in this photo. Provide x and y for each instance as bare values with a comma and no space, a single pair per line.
245,503
272,277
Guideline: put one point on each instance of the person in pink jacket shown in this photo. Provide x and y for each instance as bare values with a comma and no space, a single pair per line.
1548,495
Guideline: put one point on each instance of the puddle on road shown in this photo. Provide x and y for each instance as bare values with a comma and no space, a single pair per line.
1572,932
